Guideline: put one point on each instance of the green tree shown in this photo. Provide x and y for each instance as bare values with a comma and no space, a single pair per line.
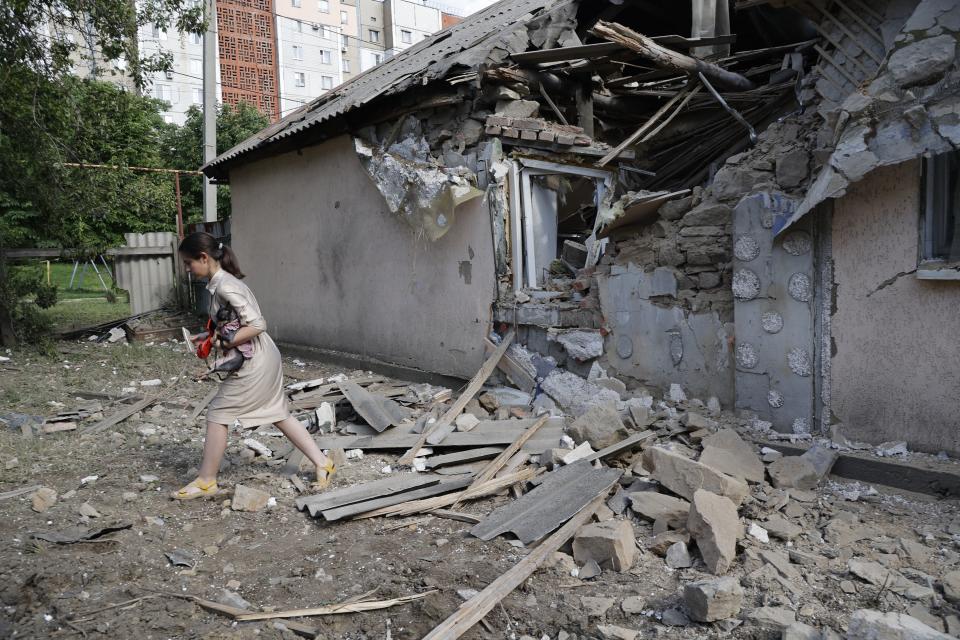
49,118
183,149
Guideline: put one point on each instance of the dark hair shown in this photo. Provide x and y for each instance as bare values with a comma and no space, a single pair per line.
200,242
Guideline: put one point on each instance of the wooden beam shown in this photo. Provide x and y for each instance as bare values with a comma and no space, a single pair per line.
836,65
618,447
474,609
669,59
444,426
646,126
200,406
497,463
119,416
514,372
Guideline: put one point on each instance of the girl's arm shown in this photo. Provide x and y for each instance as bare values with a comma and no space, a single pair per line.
245,333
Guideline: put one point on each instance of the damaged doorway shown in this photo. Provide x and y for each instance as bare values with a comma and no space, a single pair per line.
552,204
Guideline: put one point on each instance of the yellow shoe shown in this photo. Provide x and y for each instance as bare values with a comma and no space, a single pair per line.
196,489
330,469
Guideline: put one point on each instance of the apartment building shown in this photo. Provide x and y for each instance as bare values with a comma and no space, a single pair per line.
371,34
247,53
409,22
182,86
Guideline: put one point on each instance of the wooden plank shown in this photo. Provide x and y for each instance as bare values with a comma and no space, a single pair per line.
514,371
447,485
19,492
474,609
119,416
460,457
202,404
297,627
456,515
668,59
491,470
623,445
646,126
335,609
57,427
366,491
444,425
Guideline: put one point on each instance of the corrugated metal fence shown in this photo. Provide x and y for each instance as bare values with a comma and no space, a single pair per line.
149,271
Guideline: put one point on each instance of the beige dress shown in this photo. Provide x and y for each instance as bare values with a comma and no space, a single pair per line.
254,394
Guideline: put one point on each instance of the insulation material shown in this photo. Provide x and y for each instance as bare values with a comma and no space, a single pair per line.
422,194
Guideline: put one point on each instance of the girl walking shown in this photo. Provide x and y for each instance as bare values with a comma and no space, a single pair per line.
252,394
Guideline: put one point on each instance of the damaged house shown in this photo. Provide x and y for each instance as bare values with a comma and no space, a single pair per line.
761,214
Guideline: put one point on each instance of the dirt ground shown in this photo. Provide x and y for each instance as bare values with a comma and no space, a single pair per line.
281,558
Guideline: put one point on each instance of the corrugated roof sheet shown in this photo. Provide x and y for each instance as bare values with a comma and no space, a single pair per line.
466,43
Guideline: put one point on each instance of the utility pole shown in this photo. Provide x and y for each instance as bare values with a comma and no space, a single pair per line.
210,108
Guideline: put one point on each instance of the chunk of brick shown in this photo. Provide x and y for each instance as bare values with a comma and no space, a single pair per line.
793,472
610,544
685,477
248,499
715,526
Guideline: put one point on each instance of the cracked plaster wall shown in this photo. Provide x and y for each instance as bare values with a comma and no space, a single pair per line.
894,373
334,269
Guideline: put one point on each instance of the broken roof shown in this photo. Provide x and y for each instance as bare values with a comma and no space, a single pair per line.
465,44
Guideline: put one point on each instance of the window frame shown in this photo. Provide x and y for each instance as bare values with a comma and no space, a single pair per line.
344,17
324,81
930,267
323,6
406,37
299,79
374,35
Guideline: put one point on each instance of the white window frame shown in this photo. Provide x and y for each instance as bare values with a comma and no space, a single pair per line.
344,17
326,82
296,52
298,26
299,79
939,205
344,41
196,38
323,6
196,67
375,35
295,3
197,95
324,32
326,56
344,65
406,37
378,58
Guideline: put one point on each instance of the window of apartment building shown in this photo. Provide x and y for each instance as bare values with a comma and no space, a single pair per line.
344,17
295,3
196,67
197,95
406,36
297,52
324,6
326,82
940,231
324,32
377,58
374,35
345,65
344,41
299,79
162,91
196,38
326,56
298,25
158,33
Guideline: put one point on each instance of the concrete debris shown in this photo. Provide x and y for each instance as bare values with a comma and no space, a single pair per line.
676,393
674,617
611,544
793,472
726,451
715,526
258,446
889,449
772,620
248,499
613,632
880,576
822,458
577,395
757,532
685,477
712,600
678,556
924,61
951,586
589,570
233,599
88,510
659,506
596,607
466,421
582,451
580,344
779,527
801,631
868,624
600,426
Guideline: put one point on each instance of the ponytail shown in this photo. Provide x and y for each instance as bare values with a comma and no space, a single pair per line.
200,242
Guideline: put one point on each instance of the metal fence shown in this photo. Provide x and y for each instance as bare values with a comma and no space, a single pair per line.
149,272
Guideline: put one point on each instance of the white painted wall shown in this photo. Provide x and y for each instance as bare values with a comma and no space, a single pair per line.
182,86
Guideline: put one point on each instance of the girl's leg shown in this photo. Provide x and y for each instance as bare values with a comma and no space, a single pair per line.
214,444
301,439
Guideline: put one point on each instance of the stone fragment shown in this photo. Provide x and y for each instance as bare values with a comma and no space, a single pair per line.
726,451
714,524
951,586
248,499
801,631
757,532
613,632
792,168
488,401
711,600
659,506
822,458
633,605
772,620
868,624
708,214
676,393
880,576
553,457
233,599
517,108
589,570
466,421
675,209
611,544
678,556
685,477
88,510
693,421
581,344
582,451
779,527
659,543
793,472
674,617
922,62
43,498
577,395
600,426
596,607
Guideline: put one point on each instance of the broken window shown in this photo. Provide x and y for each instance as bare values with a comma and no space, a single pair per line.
940,241
555,212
